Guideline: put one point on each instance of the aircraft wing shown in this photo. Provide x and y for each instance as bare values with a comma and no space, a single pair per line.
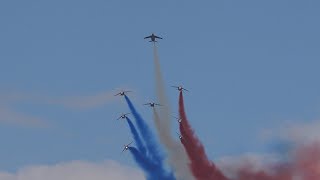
147,37
158,37
174,117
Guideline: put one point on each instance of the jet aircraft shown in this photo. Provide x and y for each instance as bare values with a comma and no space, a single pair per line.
153,38
122,93
180,88
123,116
126,147
180,137
178,119
152,104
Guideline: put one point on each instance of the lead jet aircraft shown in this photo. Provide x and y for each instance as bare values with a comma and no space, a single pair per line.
153,38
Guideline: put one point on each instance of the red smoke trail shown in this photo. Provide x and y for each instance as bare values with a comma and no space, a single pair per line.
201,167
282,173
304,165
307,162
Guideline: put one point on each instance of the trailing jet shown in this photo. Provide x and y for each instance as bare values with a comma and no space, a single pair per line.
180,88
153,38
123,116
122,93
180,137
151,104
178,119
126,147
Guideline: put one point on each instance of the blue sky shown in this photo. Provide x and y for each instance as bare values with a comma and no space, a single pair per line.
249,65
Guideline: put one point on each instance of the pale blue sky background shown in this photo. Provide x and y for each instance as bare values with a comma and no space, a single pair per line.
249,65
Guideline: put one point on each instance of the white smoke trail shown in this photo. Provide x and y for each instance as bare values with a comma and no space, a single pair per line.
177,156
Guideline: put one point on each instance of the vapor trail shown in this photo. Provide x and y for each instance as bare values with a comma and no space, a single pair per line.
136,137
202,168
177,156
304,164
281,174
307,161
143,163
147,135
153,159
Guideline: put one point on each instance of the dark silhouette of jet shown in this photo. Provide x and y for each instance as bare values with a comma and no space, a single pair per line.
180,88
153,38
123,116
126,147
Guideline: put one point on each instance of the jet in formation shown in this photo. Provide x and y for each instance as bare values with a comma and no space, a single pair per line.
153,38
180,88
123,116
180,137
152,104
126,147
122,93
178,119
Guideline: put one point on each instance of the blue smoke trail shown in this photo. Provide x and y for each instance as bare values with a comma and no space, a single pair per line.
142,162
152,171
153,162
136,137
147,134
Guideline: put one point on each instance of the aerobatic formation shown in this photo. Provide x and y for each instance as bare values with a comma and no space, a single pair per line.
183,156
